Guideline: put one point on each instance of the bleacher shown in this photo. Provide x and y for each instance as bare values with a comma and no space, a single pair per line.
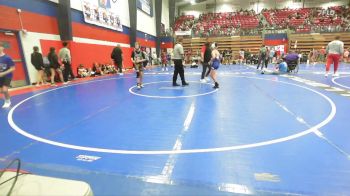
307,42
217,23
304,22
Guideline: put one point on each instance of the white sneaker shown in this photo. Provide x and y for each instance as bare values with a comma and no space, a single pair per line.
121,74
203,81
142,85
163,69
166,69
7,104
207,79
326,75
335,75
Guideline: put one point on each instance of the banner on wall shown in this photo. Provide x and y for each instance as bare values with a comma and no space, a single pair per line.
146,6
102,13
280,48
182,33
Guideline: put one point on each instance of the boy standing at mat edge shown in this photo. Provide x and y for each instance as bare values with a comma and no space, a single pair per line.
138,57
7,66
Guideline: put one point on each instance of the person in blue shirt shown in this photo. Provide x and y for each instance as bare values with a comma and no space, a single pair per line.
7,66
280,68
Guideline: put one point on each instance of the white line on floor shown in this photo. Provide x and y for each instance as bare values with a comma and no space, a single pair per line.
165,176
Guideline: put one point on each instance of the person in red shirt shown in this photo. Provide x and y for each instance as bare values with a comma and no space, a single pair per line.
205,65
164,61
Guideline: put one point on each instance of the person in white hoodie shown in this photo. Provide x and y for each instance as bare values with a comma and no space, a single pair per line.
334,50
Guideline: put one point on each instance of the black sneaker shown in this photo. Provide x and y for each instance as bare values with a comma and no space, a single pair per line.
176,84
216,85
185,84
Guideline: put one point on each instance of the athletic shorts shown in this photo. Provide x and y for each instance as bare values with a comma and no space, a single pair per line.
54,67
5,81
215,65
139,69
38,68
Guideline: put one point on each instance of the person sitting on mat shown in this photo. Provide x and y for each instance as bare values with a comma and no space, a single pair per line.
281,67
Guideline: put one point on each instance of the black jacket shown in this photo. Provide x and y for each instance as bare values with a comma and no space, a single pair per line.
117,54
207,55
37,60
53,59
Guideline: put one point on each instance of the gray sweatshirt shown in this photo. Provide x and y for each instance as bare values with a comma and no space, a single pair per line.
335,47
178,52
64,54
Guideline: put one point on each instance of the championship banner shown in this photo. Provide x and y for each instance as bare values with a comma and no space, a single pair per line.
275,39
146,6
102,13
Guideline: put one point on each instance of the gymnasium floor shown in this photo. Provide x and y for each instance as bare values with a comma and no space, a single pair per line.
258,134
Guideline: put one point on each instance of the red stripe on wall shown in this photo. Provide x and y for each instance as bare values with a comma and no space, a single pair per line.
275,42
166,45
31,22
87,54
91,32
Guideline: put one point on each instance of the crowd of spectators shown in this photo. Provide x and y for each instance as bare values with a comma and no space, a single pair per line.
97,69
248,22
307,20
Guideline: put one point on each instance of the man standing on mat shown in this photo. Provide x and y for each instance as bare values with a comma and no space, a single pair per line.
65,57
178,58
335,50
262,57
117,56
7,66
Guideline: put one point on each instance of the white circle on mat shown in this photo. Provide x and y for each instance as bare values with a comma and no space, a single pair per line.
171,97
342,85
185,151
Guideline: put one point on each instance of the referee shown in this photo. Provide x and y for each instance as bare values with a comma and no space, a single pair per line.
178,58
